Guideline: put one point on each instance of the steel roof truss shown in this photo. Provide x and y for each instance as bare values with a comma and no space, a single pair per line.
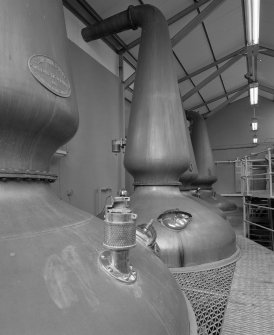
211,77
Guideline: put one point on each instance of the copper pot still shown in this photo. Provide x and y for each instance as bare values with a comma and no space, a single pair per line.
207,171
198,246
188,177
57,277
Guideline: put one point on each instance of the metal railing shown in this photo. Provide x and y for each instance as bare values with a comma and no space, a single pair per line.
251,164
258,200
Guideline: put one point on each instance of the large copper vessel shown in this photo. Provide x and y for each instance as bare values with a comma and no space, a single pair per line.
189,177
51,260
196,243
206,169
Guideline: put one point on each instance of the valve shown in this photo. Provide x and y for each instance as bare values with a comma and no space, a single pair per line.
118,145
147,235
119,238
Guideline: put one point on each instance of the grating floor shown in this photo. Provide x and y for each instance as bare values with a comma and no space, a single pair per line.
250,309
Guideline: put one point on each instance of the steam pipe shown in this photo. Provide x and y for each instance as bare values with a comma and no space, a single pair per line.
114,24
157,125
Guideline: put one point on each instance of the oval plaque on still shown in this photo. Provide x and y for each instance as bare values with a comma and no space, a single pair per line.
50,75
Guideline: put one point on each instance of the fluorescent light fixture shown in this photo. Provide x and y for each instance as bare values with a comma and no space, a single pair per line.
254,124
255,139
253,93
252,16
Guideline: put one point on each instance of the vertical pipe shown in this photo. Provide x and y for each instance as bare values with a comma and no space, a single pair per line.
121,172
246,176
244,216
270,171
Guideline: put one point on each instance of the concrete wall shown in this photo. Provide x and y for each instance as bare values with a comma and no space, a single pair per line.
90,164
231,137
98,50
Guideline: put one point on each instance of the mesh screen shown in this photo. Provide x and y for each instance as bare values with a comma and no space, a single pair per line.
208,292
120,235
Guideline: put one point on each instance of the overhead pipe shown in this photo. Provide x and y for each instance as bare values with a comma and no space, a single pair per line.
207,170
56,275
191,239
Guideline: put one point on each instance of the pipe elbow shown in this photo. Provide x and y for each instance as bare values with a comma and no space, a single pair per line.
146,14
132,18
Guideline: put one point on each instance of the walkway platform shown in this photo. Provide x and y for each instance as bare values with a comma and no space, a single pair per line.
250,309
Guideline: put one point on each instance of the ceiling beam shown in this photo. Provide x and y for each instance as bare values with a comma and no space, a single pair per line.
195,22
218,97
186,11
212,52
266,51
184,69
209,66
211,77
129,80
266,89
173,19
227,102
240,51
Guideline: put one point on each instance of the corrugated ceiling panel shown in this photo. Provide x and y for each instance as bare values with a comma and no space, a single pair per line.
178,69
233,77
176,26
170,7
225,28
267,23
266,70
213,88
193,50
217,103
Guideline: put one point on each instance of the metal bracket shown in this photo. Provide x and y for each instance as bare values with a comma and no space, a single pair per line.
107,264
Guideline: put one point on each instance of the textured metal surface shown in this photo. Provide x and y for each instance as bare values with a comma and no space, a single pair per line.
120,226
208,291
250,306
120,236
